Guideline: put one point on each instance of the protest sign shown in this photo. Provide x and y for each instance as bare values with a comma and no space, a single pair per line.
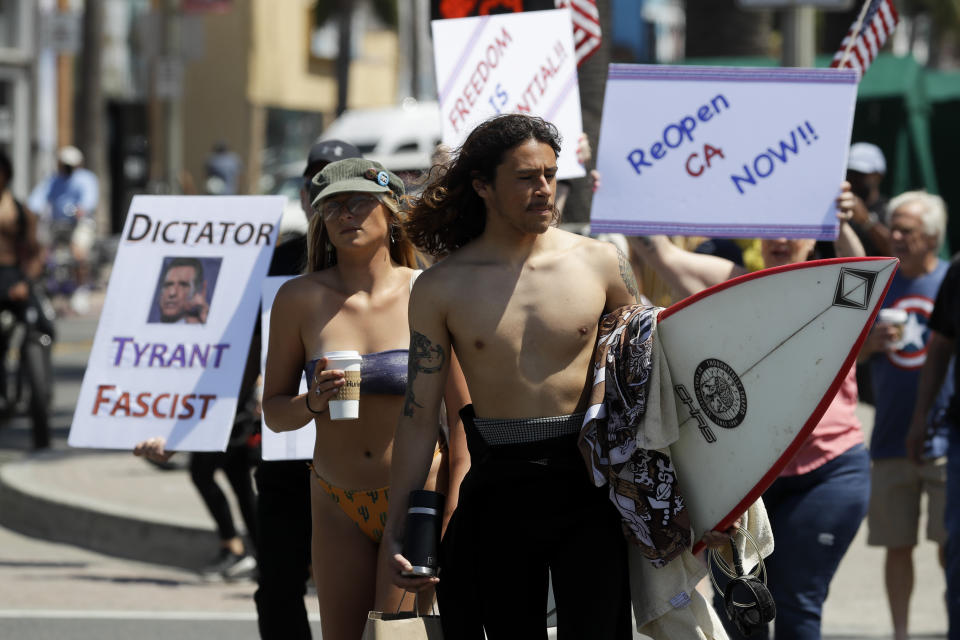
723,152
172,343
509,63
289,445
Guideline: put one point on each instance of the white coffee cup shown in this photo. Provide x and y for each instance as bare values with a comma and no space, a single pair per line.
896,318
346,404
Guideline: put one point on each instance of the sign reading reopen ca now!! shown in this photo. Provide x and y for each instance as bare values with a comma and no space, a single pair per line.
172,343
509,63
723,152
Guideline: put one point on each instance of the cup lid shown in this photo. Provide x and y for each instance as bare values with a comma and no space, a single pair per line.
893,315
341,354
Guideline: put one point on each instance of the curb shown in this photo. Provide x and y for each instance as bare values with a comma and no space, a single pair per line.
29,513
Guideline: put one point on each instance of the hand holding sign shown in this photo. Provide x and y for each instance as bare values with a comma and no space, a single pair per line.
153,449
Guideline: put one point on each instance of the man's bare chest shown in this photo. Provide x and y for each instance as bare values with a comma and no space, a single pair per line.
557,314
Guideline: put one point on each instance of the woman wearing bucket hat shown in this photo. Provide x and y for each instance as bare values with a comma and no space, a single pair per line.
354,296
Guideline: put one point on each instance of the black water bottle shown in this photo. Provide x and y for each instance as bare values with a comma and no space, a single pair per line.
421,536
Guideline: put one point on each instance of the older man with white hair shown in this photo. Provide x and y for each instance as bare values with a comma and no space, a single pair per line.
896,349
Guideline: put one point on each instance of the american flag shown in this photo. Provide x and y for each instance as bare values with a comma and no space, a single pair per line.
586,26
879,21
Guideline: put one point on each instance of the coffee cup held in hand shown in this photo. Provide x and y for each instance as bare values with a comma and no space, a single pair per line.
896,318
346,404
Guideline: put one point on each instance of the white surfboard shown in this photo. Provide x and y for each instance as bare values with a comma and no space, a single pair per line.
755,363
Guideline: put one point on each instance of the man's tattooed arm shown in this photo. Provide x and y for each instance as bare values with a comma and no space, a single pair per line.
425,357
626,274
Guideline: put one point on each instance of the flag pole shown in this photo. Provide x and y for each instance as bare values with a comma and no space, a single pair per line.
856,34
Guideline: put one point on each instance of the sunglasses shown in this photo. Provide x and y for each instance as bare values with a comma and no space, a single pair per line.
355,206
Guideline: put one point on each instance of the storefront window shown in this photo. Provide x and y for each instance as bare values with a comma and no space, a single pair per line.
9,23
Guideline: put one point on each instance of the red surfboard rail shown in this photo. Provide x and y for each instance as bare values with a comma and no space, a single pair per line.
828,396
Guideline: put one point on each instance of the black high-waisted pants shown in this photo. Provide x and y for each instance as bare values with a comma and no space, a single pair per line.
524,509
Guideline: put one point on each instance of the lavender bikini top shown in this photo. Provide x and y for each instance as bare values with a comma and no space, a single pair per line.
381,372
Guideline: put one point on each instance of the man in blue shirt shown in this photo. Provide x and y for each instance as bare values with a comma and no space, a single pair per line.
67,201
896,349
69,194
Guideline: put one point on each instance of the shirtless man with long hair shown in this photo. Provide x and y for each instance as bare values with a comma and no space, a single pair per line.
519,301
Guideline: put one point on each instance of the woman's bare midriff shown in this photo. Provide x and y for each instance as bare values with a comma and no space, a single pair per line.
356,454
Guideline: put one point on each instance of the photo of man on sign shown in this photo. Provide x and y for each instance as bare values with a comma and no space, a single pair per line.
184,291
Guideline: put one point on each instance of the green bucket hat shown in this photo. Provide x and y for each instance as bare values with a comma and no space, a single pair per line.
354,174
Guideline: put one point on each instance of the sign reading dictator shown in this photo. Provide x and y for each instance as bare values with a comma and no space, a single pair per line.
172,342
509,63
723,152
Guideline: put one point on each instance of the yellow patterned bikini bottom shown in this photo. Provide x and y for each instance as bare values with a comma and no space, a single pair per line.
367,508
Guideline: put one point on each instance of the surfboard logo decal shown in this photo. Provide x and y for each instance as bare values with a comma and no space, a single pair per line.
854,288
720,393
687,399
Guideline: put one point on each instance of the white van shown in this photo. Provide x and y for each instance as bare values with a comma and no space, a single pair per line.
401,138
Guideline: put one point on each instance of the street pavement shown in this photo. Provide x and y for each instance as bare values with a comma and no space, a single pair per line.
97,544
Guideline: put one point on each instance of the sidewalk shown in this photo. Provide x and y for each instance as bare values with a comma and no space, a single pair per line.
113,503
106,501
117,504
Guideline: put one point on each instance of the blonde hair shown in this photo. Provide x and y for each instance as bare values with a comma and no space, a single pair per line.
321,254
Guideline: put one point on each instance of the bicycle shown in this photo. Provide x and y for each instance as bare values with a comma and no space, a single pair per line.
27,329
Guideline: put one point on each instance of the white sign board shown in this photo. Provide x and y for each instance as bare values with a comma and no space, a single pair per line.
509,63
723,152
288,445
172,342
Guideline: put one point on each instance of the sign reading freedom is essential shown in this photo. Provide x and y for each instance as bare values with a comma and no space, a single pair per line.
172,343
509,63
723,152
288,445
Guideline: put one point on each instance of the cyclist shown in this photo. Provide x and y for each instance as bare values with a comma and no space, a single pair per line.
68,200
21,262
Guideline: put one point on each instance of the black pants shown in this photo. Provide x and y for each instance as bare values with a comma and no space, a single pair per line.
283,512
235,462
515,520
34,353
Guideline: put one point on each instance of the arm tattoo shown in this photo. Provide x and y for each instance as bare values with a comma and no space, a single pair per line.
425,357
626,274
